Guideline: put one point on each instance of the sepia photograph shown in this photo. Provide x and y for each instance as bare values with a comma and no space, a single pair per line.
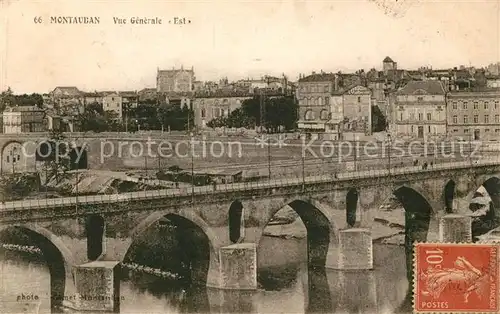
277,156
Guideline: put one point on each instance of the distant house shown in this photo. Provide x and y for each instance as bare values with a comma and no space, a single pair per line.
147,94
113,102
420,110
91,98
23,119
175,80
129,98
493,81
66,91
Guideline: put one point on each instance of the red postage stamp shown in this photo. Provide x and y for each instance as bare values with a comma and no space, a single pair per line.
456,278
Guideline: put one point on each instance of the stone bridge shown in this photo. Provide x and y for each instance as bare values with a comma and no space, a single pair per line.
97,232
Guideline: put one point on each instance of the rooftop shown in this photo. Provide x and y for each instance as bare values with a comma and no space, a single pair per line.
319,77
23,109
387,59
69,90
419,87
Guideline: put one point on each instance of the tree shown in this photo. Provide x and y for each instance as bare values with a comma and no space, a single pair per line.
6,98
278,113
58,161
379,122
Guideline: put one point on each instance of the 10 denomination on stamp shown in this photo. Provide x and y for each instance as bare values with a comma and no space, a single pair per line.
455,278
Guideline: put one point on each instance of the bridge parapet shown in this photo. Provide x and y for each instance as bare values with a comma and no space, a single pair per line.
41,209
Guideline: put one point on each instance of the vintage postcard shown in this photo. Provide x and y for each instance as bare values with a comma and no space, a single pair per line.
249,156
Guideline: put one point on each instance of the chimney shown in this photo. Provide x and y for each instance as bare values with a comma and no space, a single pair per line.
336,84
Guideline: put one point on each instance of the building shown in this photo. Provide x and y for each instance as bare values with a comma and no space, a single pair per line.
147,95
323,98
130,99
211,106
319,116
420,110
23,119
493,81
389,65
175,80
474,114
67,95
357,113
113,102
92,98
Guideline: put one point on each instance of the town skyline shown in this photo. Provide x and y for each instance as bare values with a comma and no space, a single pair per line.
274,38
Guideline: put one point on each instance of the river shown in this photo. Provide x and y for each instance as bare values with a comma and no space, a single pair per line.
285,286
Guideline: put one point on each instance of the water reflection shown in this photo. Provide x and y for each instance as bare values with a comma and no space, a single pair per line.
290,288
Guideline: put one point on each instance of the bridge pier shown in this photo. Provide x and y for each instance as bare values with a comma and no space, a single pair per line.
455,228
97,286
238,267
355,251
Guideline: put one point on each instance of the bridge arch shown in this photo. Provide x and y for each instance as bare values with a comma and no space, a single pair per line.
418,213
12,156
491,219
95,230
58,258
236,221
206,264
449,195
351,202
321,228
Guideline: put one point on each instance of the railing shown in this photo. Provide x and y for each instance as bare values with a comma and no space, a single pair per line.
241,186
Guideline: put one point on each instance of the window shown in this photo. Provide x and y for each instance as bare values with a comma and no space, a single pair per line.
412,129
429,128
486,130
309,115
429,116
203,112
420,98
466,119
420,117
464,106
476,118
454,105
359,108
496,104
486,118
476,105
327,100
466,131
486,105
326,89
497,118
497,130
324,115
412,116
401,116
112,98
455,130
359,98
455,119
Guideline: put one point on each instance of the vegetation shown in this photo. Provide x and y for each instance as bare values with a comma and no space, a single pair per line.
146,116
280,113
379,121
57,162
7,98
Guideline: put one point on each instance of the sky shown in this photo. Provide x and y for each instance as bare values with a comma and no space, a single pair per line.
236,39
